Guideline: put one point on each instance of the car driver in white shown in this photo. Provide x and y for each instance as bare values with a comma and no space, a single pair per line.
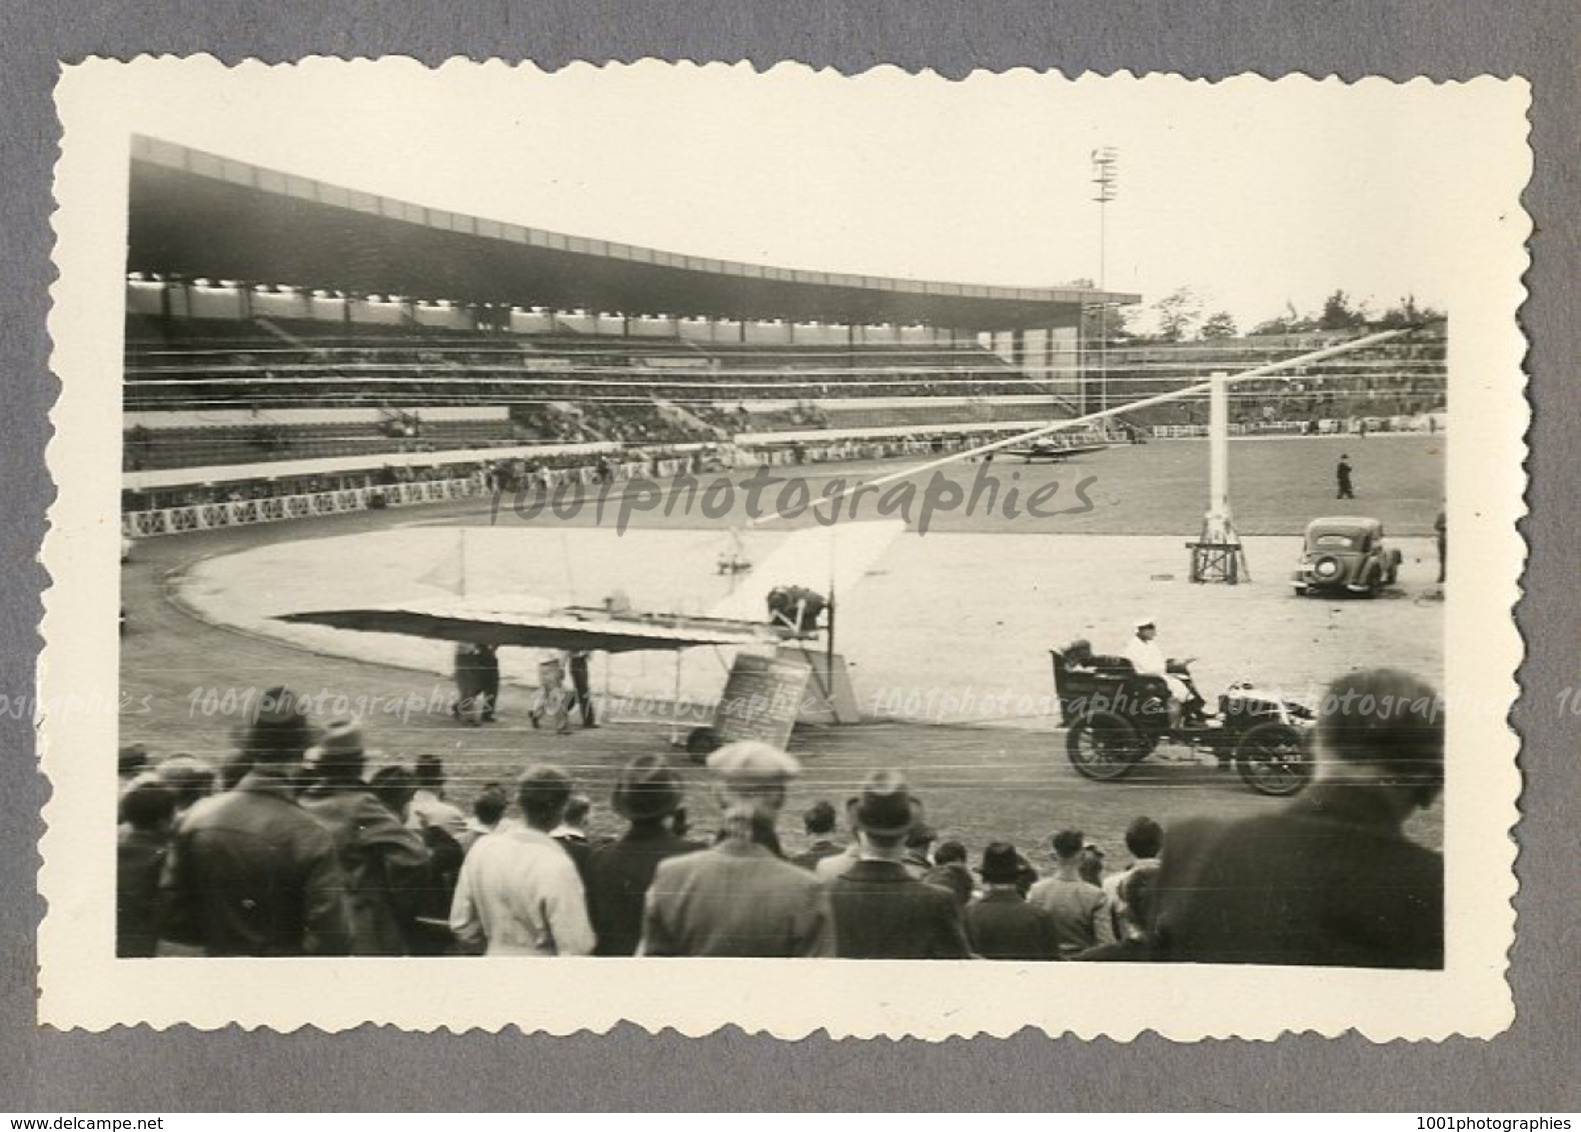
1148,659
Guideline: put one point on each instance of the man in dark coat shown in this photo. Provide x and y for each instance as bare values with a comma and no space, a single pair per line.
251,872
1002,925
1342,478
385,864
148,811
470,676
740,899
881,911
582,688
618,875
1330,881
488,682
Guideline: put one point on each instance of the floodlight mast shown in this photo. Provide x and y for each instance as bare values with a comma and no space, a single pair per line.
1106,173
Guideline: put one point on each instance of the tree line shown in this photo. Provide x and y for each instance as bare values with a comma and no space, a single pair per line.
1180,317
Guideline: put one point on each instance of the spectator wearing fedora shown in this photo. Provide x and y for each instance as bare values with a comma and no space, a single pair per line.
1081,915
739,899
384,863
519,892
1002,925
647,793
1330,880
251,872
881,911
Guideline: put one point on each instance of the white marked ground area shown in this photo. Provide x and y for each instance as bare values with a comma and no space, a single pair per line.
950,628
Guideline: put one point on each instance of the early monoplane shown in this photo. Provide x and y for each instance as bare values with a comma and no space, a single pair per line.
1053,450
767,615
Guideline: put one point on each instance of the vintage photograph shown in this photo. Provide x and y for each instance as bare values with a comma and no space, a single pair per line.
664,512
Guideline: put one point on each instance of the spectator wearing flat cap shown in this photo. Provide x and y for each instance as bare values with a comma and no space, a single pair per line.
739,898
881,911
1002,925
1329,880
647,793
384,863
519,892
251,872
1081,914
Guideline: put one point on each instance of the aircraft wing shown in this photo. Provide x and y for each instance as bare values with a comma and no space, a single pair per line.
816,557
589,630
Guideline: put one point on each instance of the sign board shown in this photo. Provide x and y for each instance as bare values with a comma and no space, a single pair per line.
761,700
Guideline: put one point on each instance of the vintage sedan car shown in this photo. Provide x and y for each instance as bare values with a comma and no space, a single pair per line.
1345,554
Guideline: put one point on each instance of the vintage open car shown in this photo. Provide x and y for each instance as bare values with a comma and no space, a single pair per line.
1115,717
1345,554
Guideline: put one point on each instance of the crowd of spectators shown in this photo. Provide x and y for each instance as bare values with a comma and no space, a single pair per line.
549,468
1398,379
292,848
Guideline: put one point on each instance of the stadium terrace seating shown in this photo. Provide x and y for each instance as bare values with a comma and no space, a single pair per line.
297,362
561,387
146,449
1398,378
574,387
855,416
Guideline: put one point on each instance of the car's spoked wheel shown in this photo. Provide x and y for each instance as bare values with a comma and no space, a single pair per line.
1273,759
1103,746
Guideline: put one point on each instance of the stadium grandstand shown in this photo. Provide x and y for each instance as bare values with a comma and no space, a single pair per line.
1397,385
332,322
294,346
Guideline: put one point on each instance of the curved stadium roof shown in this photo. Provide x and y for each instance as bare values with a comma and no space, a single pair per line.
197,215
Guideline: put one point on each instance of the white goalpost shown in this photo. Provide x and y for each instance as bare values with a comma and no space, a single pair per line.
1218,556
